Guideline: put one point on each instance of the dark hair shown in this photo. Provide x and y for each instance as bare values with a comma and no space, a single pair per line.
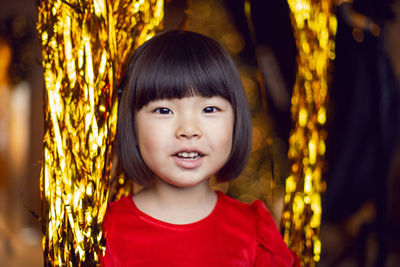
178,64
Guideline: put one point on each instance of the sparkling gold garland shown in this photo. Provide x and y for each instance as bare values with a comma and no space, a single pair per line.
84,44
314,27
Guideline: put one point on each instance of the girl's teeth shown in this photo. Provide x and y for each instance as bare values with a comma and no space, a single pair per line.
188,155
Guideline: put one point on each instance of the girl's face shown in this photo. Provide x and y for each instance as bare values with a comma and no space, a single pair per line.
185,141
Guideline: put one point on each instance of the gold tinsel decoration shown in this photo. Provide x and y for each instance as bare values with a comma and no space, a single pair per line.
314,28
84,44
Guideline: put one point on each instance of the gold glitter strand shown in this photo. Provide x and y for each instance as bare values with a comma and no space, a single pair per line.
84,44
314,28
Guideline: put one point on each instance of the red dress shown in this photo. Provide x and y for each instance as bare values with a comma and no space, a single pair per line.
234,234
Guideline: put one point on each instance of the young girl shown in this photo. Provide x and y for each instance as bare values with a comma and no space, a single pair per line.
184,117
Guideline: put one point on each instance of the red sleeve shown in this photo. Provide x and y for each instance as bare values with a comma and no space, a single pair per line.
107,221
271,249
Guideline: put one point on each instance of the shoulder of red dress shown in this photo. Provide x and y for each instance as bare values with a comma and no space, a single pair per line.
248,211
121,203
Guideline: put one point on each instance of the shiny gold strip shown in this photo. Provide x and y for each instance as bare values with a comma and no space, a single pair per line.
84,45
314,27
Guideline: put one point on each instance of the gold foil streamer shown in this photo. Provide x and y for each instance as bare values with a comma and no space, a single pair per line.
314,27
84,44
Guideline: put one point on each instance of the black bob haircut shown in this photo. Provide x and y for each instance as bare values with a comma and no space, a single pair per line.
178,64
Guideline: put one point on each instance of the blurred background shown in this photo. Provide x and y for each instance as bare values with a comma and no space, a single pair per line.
21,133
361,222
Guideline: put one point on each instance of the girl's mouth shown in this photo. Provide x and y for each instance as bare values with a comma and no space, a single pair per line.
188,159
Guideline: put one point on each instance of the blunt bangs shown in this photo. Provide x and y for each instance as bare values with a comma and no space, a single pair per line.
179,64
178,67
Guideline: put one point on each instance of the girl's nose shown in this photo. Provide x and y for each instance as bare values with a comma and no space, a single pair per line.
188,129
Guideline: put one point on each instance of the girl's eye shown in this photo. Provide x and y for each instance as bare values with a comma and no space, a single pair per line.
163,110
210,109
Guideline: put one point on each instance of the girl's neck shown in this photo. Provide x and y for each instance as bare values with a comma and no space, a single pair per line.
167,194
176,205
